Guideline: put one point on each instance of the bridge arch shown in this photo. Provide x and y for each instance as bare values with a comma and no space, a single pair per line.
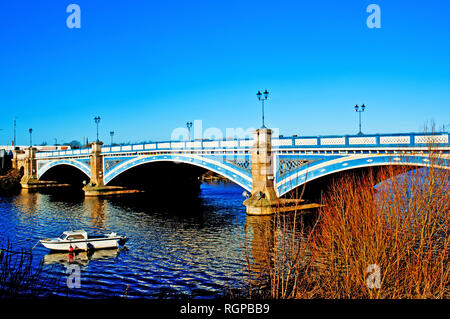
82,167
325,168
233,173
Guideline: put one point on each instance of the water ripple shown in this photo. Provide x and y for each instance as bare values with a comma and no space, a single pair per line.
169,253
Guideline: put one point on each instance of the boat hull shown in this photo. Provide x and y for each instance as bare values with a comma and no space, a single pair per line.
82,244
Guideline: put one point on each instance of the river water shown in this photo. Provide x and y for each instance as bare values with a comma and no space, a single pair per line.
176,248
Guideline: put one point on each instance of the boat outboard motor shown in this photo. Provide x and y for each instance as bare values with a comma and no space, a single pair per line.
123,240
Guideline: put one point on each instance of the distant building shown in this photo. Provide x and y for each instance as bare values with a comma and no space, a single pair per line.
2,159
41,148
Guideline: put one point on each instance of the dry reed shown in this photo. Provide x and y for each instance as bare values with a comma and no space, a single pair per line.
399,228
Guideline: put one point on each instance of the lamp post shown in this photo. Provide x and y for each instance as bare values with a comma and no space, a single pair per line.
262,97
30,131
360,109
97,120
189,125
111,134
15,118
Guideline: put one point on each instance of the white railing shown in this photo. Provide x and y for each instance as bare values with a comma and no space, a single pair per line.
378,140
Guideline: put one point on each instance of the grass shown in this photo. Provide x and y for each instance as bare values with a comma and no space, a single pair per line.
19,278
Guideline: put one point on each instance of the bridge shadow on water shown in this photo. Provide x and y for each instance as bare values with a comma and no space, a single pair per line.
166,186
185,204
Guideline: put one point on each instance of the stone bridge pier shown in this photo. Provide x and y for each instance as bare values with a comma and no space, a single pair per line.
96,185
26,161
96,162
263,196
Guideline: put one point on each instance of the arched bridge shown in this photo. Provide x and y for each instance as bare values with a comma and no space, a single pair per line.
269,165
232,163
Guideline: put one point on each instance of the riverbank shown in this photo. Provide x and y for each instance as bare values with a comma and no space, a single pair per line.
10,183
210,176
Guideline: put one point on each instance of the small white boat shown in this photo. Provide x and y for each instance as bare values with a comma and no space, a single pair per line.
79,240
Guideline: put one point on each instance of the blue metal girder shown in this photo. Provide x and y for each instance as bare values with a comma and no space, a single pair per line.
328,165
72,162
216,164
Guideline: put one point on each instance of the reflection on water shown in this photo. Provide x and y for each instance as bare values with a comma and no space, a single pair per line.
261,230
97,208
81,258
277,241
180,246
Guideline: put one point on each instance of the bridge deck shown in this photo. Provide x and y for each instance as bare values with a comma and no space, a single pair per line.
281,145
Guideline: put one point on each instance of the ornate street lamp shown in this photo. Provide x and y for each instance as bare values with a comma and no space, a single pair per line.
112,134
30,131
189,125
97,120
262,97
360,109
15,119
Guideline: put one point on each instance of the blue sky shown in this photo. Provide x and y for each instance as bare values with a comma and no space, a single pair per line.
147,67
